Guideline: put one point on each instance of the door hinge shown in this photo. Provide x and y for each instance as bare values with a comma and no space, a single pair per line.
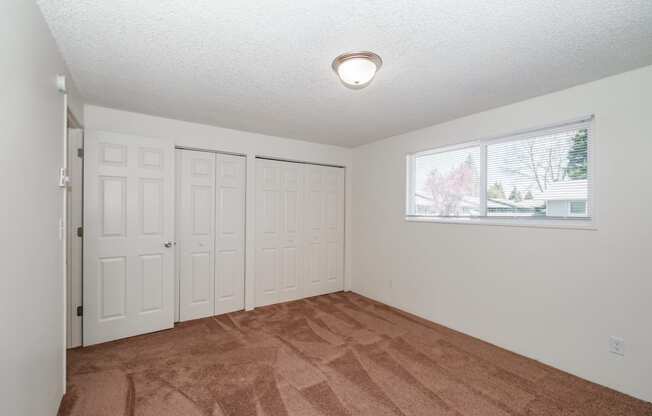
80,231
80,153
80,310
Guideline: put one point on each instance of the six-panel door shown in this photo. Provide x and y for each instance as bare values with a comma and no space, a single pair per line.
128,216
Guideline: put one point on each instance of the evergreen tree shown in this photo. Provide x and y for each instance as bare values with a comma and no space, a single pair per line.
515,195
528,195
578,156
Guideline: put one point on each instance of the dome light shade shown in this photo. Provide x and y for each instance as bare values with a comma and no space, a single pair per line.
357,69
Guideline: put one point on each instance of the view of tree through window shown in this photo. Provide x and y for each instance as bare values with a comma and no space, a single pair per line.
448,183
535,176
543,174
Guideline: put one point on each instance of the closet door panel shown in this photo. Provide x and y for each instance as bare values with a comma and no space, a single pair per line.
268,232
196,233
229,233
333,231
324,241
315,270
299,231
279,191
291,239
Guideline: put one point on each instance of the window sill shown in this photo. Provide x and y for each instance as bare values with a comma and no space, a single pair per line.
571,224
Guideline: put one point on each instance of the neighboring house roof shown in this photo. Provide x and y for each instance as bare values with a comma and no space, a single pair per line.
566,190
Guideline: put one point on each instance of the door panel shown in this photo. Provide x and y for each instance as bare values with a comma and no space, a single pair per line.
334,229
290,262
279,190
291,182
211,231
268,194
324,204
316,248
128,201
201,277
114,206
150,207
195,237
152,281
113,287
230,233
299,230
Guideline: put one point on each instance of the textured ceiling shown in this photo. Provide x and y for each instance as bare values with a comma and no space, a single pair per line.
264,65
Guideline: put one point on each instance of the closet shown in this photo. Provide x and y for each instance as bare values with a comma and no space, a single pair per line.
210,232
299,230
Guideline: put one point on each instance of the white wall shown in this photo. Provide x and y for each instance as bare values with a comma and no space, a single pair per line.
32,282
201,136
554,295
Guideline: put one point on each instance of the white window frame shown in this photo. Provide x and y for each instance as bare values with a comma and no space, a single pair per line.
569,222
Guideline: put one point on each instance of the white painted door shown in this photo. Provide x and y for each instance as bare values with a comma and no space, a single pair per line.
128,217
210,230
324,230
229,233
279,194
196,233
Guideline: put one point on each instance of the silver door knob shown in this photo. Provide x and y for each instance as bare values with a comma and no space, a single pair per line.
168,244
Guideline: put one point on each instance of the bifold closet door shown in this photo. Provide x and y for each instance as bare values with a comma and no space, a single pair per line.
210,191
299,230
279,196
323,230
128,268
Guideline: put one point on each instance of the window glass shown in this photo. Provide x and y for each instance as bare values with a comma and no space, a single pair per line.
447,184
540,174
537,176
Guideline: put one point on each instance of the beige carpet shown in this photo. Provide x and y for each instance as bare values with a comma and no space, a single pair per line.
338,354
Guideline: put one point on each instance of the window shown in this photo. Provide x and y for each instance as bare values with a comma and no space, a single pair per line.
541,176
448,183
577,208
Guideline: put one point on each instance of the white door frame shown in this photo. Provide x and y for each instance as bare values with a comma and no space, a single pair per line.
74,241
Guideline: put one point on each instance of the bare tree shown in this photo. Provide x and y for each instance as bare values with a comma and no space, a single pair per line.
541,160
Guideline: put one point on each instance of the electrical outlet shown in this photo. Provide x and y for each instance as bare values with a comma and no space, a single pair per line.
617,345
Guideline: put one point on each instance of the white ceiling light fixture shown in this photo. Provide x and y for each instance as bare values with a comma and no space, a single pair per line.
357,69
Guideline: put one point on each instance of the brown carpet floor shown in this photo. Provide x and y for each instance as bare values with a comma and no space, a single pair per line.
339,354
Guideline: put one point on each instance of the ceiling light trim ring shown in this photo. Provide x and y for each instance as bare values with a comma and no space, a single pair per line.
377,60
